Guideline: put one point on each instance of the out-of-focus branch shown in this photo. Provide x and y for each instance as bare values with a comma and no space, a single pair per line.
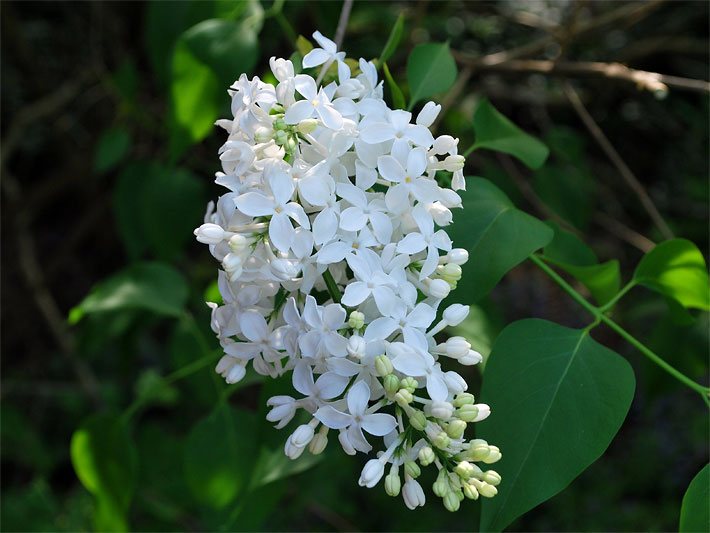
617,161
625,233
343,22
651,81
633,12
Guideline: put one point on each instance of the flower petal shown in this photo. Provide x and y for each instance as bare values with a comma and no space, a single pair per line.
332,418
358,398
378,424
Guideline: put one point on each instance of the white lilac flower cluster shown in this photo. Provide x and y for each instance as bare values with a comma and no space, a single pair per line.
333,269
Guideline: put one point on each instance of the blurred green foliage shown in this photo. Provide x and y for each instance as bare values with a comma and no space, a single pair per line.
115,178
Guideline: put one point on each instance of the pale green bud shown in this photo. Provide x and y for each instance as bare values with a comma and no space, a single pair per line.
451,272
442,441
465,470
410,384
307,126
318,444
478,450
280,137
467,413
276,109
456,429
403,397
441,485
418,420
486,490
262,135
426,456
238,243
383,365
412,468
391,383
393,484
464,398
491,477
356,320
280,125
291,144
452,502
493,456
470,491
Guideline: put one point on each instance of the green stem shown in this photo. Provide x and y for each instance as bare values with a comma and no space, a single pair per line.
611,303
469,150
599,316
332,286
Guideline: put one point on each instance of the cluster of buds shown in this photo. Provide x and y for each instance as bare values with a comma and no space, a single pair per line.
335,263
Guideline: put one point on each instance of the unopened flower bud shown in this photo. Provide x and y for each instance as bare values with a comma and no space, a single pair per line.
484,489
428,114
284,269
291,450
302,435
232,262
412,468
456,347
441,410
456,429
393,484
262,134
391,383
426,456
307,126
441,486
280,137
409,383
454,162
444,144
209,234
442,441
471,358
493,456
455,314
451,272
403,397
483,412
467,413
478,450
418,420
470,491
465,470
458,256
383,365
280,124
319,443
452,502
356,320
238,243
371,473
491,477
464,398
439,288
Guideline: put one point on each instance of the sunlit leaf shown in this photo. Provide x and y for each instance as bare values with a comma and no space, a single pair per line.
206,59
496,234
496,132
558,399
151,286
104,460
431,69
677,269
695,510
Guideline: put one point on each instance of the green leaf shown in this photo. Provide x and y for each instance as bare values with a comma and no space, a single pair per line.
676,269
219,455
496,234
156,207
272,465
152,286
695,510
151,388
206,59
570,254
397,96
495,132
392,41
431,69
568,192
566,247
558,398
112,148
104,460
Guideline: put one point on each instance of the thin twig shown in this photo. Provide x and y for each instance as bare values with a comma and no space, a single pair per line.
343,22
625,233
617,161
651,81
452,96
629,11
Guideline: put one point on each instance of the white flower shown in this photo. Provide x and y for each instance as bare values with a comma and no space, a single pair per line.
358,417
334,263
